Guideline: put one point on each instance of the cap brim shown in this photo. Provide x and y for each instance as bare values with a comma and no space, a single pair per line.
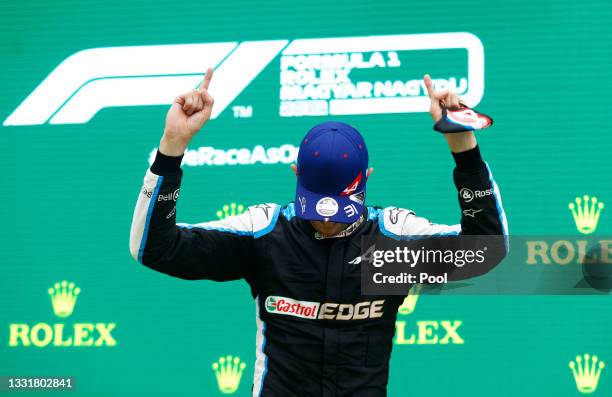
324,207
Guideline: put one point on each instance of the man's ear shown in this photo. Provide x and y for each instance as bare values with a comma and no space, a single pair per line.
368,172
294,168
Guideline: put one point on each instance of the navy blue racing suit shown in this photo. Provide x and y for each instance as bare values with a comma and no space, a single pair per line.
317,335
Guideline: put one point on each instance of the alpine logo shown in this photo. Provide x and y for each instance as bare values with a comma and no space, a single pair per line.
324,311
97,78
355,261
352,186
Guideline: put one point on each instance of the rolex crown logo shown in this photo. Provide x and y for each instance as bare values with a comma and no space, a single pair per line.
586,212
410,301
228,371
230,210
63,297
586,370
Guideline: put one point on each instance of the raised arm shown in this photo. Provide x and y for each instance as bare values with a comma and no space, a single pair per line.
216,250
479,197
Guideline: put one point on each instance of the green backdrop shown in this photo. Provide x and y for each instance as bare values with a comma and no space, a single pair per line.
70,188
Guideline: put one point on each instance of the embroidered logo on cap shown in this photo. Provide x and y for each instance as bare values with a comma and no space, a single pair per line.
352,186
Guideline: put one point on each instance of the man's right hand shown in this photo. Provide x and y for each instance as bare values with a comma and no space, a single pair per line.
187,115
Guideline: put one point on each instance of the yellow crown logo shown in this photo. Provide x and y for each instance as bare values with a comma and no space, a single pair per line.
586,213
230,210
410,301
586,375
228,371
63,297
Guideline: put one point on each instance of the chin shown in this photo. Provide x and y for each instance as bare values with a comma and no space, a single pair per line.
328,228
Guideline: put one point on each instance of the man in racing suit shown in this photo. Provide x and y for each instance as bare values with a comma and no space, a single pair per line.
317,335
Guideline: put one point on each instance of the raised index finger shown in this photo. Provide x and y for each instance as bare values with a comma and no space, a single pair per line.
429,86
207,78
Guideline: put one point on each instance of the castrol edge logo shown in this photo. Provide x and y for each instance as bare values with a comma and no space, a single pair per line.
324,311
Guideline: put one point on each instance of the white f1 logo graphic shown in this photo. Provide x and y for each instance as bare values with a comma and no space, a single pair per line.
94,79
97,78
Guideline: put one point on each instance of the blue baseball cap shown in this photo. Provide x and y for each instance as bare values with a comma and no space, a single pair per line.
331,174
